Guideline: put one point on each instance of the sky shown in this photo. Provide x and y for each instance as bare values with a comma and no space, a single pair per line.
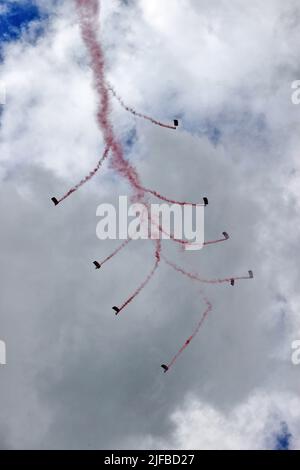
76,376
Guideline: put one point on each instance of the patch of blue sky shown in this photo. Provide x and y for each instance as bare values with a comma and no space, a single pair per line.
283,438
129,140
15,19
210,128
245,125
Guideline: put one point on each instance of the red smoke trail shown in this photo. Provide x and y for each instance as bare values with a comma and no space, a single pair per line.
195,332
86,179
116,251
171,201
184,243
88,16
88,13
135,113
125,243
148,278
196,277
225,235
213,242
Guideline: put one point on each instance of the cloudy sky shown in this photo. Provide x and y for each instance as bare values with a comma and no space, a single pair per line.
76,376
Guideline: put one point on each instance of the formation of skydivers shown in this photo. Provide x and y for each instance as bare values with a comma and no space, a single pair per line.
98,265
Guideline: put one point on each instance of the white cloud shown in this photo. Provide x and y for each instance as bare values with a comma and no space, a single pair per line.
253,424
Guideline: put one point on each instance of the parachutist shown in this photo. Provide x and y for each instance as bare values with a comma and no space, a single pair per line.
116,309
55,201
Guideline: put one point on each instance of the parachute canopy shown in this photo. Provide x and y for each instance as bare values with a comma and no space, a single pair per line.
54,200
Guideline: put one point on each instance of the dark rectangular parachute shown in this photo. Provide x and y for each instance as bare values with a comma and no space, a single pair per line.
116,309
55,201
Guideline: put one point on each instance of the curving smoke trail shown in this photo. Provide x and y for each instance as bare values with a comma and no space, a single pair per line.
171,201
210,242
196,277
84,180
135,113
192,336
88,16
88,11
220,240
146,281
